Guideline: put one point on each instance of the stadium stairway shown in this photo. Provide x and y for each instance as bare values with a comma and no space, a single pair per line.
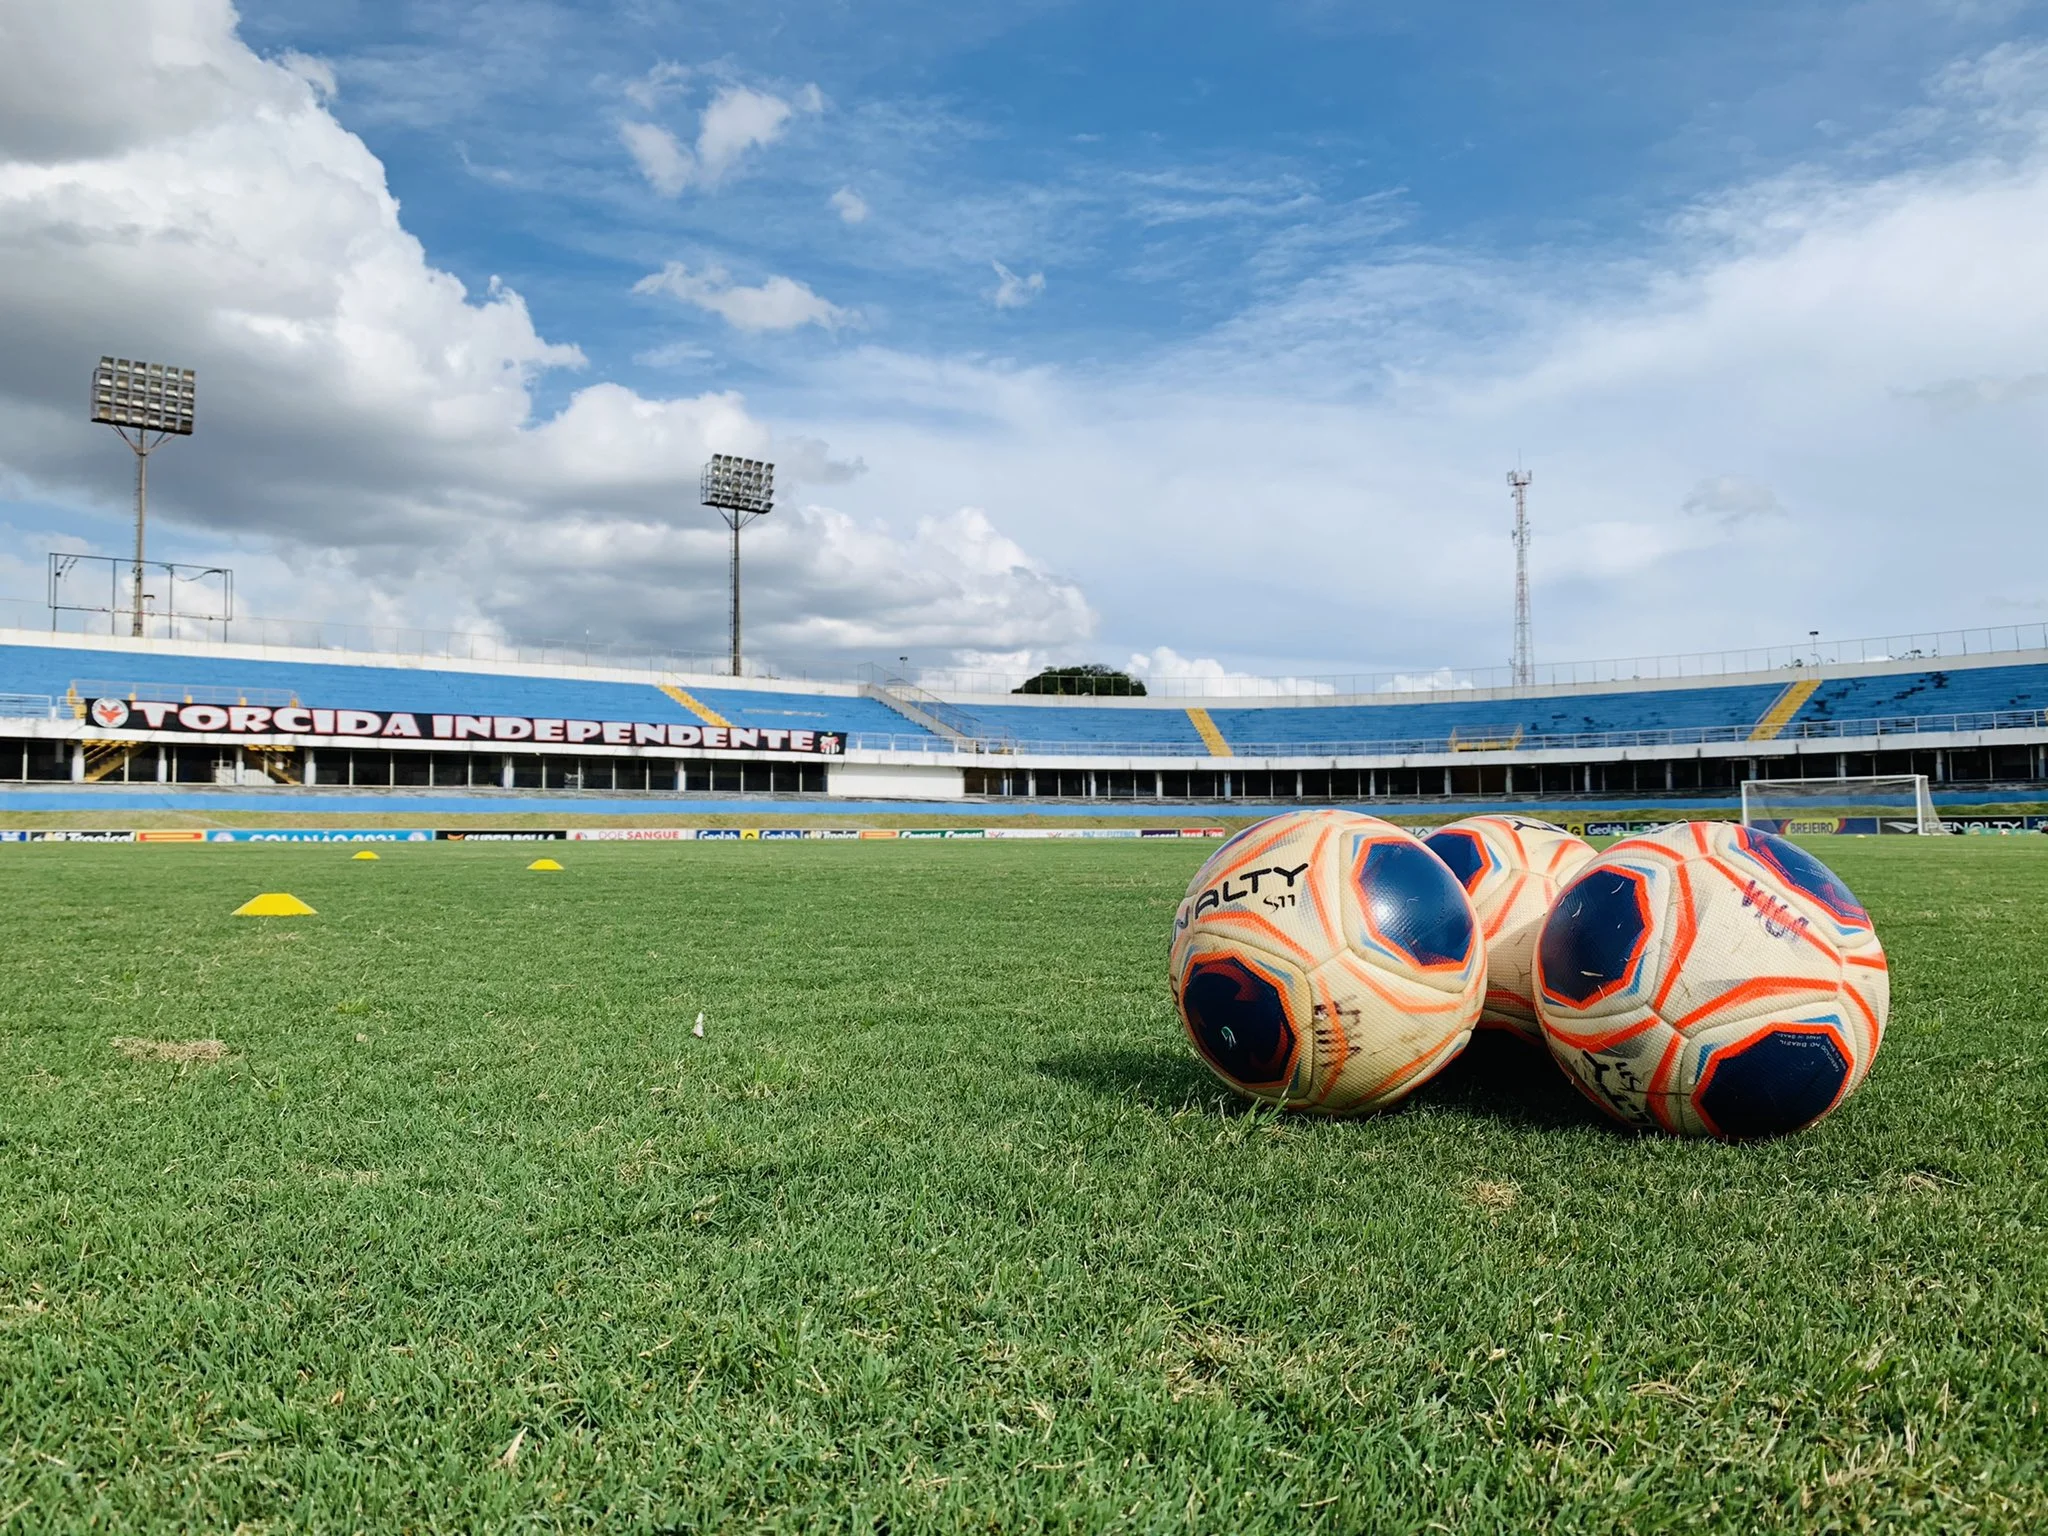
689,701
1212,738
927,711
1780,714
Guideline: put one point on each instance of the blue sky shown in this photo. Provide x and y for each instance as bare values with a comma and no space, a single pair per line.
1162,165
1080,331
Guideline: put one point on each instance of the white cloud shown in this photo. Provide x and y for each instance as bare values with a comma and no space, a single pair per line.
738,119
368,444
779,304
1166,671
1012,291
317,73
667,165
849,205
663,80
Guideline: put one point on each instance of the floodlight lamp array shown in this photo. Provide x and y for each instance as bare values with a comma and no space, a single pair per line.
148,397
738,485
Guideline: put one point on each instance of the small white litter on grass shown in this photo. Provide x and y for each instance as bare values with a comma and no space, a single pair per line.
699,1030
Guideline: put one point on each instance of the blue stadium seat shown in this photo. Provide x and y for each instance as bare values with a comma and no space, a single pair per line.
1164,725
53,670
1964,690
806,711
1650,710
1152,726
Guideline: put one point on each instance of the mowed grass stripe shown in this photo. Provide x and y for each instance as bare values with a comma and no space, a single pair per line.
941,1226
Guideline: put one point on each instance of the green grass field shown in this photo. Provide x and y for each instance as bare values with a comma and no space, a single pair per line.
941,1227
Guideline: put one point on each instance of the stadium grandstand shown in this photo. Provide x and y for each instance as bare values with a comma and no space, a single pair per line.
1967,709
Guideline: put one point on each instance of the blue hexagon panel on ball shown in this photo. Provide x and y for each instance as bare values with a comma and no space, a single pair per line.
1779,1079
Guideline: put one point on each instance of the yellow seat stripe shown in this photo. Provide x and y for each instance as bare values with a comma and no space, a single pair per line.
1780,714
1211,737
702,711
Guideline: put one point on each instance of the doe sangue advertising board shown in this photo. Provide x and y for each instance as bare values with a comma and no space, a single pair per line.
395,725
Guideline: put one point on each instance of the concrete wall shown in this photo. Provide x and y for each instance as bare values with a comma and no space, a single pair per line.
894,781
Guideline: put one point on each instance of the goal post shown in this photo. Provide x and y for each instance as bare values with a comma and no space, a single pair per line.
1898,802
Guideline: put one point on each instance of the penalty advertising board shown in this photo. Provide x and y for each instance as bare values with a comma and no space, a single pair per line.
359,725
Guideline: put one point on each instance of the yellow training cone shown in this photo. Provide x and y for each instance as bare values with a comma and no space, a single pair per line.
274,904
544,864
365,854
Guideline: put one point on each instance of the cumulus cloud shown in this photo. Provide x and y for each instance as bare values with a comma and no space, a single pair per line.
667,165
1012,291
779,304
851,207
736,120
369,446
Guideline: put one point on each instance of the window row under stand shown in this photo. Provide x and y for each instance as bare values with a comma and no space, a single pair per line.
39,760
355,768
2027,763
35,760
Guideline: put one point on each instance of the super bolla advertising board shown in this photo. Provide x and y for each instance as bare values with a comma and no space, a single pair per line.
406,725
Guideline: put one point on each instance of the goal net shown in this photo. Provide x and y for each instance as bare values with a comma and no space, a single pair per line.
1894,803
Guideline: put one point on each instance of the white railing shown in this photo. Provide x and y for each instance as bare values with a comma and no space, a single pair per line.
27,706
380,640
1416,746
1931,647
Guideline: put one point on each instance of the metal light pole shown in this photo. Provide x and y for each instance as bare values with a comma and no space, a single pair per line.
1525,662
142,398
739,490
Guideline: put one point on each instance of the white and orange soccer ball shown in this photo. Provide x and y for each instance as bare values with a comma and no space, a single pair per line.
1711,980
1326,961
1512,867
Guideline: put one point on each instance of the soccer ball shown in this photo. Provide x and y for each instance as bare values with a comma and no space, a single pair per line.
1512,868
1326,961
1711,980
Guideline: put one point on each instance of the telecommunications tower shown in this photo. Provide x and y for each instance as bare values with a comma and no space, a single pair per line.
1525,662
738,490
142,398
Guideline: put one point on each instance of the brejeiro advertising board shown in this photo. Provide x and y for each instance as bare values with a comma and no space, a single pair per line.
407,725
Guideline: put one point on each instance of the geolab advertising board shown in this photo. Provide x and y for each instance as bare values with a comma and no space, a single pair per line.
406,725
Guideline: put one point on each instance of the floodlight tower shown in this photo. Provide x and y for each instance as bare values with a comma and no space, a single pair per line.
1525,662
142,398
739,490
